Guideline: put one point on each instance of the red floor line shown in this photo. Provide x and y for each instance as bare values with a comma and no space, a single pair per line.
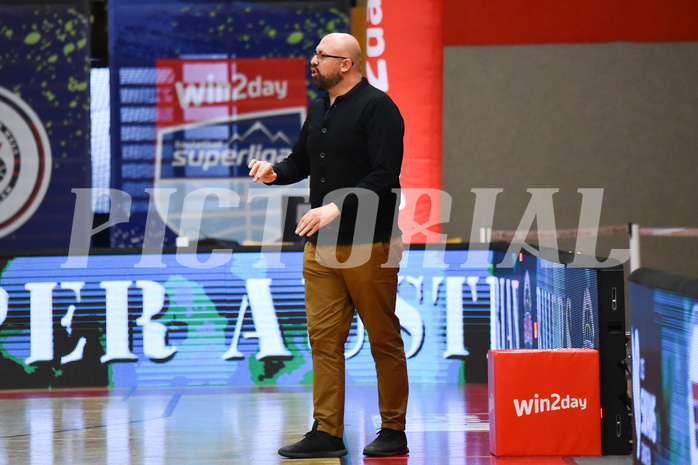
45,393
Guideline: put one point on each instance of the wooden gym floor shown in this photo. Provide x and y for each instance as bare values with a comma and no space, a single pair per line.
447,424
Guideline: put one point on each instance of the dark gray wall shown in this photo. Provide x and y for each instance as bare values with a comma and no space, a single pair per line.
617,116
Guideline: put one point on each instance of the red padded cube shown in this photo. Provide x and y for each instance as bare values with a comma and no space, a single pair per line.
544,402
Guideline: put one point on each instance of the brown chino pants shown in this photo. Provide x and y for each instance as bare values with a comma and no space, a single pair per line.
331,295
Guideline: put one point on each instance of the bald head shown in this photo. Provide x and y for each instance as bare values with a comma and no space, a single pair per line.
344,45
336,64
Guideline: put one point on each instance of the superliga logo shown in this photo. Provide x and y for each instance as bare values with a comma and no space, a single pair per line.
25,162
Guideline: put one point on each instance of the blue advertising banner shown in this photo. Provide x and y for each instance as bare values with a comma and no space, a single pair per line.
237,317
197,90
44,121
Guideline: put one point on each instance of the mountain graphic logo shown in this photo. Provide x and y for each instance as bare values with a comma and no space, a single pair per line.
259,126
223,148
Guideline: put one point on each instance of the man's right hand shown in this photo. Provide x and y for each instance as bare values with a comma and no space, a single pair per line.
261,171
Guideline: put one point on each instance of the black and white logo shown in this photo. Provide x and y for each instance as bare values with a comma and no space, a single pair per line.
25,162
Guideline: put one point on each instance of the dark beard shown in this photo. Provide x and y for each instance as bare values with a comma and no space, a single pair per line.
324,83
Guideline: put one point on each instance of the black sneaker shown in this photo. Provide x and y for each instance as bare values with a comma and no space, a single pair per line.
315,444
389,442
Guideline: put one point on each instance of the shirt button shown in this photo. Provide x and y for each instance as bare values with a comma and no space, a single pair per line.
322,179
322,155
324,130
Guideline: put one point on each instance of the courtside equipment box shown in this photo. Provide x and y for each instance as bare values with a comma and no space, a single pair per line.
544,402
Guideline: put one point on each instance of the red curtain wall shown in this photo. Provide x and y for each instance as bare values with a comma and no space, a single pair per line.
404,42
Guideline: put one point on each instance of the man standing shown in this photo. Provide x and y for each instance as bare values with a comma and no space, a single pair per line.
351,146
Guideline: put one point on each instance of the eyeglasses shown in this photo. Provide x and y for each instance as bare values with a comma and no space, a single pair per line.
321,56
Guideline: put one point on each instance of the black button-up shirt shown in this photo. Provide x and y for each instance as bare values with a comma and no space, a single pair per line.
357,144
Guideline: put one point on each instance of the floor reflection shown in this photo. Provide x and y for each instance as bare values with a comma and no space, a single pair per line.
446,425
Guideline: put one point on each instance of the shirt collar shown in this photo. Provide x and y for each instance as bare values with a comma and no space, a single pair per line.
354,90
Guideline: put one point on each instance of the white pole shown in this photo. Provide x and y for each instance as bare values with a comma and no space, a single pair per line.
634,247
